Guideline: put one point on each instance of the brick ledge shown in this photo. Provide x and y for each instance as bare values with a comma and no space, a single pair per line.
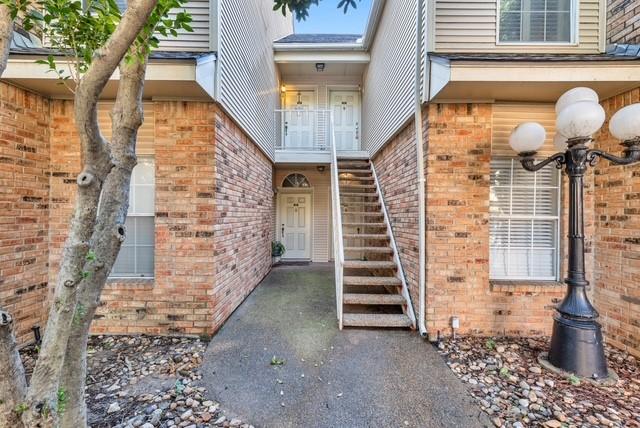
504,286
144,283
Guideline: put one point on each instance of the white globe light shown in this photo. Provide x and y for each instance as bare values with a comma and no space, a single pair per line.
560,142
575,95
625,124
527,137
581,119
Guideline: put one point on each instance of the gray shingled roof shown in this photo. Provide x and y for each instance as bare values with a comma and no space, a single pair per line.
624,50
320,38
177,55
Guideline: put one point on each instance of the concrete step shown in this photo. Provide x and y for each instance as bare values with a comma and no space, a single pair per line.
376,320
373,299
377,250
376,225
353,165
362,213
361,203
378,236
356,178
390,281
358,195
369,264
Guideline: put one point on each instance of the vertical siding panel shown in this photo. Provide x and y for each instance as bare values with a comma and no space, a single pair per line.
249,78
470,26
388,97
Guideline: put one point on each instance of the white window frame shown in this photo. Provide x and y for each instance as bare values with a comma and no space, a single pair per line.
515,163
132,190
575,29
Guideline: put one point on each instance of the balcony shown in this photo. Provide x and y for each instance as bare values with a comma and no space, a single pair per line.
305,136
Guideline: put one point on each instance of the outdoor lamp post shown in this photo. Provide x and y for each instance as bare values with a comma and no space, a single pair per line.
576,341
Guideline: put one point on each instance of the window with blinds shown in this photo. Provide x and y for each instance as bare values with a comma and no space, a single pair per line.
524,222
136,258
537,21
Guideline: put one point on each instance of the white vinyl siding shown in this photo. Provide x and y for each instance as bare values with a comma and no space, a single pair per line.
388,98
472,26
248,77
525,212
536,21
136,257
200,38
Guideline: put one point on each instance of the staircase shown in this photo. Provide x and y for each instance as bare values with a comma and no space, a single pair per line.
373,286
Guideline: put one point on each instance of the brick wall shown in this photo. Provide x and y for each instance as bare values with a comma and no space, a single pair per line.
213,224
243,219
396,167
623,21
617,239
24,209
458,169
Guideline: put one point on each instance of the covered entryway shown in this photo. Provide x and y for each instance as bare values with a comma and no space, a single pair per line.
324,377
345,106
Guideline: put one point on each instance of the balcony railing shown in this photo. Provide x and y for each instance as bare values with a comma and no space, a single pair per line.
301,129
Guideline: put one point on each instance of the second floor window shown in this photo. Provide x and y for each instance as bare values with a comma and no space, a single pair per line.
536,21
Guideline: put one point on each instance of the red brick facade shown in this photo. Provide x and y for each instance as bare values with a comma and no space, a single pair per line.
396,169
213,225
623,21
24,206
617,239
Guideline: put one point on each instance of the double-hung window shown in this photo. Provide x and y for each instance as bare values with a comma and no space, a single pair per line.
136,258
524,222
537,21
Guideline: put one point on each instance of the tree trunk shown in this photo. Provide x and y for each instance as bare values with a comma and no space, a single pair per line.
13,385
127,118
77,271
6,35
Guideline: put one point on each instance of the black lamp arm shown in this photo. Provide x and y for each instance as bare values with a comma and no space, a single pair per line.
631,154
527,159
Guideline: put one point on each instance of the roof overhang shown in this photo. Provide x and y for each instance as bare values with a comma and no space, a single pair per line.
313,56
525,81
186,79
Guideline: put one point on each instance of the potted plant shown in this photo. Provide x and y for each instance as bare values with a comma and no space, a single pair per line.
277,250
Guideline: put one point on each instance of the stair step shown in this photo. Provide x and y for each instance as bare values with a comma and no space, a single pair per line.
373,264
360,194
356,178
363,213
380,250
379,236
376,320
390,281
353,165
353,171
373,299
361,203
362,224
357,186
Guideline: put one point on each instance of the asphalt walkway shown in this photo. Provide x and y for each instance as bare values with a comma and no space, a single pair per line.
323,377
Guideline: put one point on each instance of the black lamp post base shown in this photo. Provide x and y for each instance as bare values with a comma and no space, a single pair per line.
577,347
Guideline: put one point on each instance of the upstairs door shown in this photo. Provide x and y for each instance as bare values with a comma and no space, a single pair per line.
346,119
295,225
299,120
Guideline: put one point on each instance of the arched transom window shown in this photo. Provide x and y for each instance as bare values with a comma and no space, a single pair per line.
295,180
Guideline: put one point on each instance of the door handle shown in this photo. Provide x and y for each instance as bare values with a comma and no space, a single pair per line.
282,232
357,130
286,129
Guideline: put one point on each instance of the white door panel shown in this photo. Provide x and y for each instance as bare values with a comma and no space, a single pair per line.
346,119
299,125
295,227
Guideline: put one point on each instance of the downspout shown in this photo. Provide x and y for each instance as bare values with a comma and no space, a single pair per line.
420,171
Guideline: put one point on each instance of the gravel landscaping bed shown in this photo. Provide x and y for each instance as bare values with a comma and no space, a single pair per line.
147,381
504,377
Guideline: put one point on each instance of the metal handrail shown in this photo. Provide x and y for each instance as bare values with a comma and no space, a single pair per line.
338,244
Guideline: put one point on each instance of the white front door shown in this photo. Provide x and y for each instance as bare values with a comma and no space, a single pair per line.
295,225
346,119
299,125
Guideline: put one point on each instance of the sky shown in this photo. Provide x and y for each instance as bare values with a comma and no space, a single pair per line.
327,18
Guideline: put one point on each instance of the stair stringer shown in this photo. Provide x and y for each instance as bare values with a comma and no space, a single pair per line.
396,255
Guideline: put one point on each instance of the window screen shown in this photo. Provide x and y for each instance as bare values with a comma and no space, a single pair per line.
536,21
525,213
136,258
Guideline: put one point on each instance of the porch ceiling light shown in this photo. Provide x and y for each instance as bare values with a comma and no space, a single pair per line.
576,340
320,67
527,137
